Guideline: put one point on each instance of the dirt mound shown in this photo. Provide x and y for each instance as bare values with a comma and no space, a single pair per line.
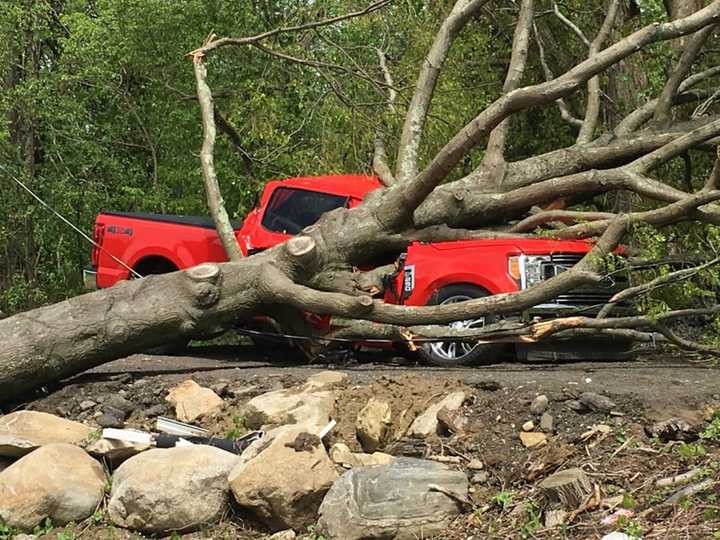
408,395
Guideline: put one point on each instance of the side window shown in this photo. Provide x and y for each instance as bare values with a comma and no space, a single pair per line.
291,210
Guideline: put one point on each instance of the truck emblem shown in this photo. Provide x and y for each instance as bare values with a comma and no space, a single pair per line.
409,278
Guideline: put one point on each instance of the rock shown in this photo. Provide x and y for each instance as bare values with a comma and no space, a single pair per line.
547,423
117,405
596,402
343,456
87,405
281,486
221,388
283,535
304,405
528,426
540,404
155,410
56,481
110,420
114,450
395,501
193,401
173,489
452,422
240,391
673,429
480,477
373,424
325,380
24,431
427,423
24,537
531,439
575,405
475,465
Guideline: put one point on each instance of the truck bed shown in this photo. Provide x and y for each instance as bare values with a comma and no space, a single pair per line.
205,222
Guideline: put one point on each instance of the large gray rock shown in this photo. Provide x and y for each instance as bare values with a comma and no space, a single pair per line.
23,431
396,501
174,489
56,481
284,480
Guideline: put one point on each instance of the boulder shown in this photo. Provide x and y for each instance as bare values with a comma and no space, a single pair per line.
308,407
174,489
373,424
24,431
57,481
193,401
426,424
404,500
283,483
343,456
540,404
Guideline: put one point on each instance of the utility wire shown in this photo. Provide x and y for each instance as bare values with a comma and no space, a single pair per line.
69,223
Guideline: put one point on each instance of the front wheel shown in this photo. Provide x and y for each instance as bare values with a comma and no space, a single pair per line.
461,353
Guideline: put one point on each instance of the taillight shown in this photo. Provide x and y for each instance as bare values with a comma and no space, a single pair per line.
98,236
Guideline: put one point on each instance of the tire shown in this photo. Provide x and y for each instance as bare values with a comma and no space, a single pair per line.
461,353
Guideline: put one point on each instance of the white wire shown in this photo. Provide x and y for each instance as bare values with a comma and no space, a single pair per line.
67,222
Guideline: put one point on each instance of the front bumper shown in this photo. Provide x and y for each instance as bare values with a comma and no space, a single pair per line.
90,278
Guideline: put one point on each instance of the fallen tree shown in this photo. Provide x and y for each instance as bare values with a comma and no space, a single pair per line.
317,270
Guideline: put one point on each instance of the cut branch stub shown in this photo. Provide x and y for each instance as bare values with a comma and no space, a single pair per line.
301,247
567,489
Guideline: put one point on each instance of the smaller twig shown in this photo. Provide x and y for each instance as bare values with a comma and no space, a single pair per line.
689,491
679,478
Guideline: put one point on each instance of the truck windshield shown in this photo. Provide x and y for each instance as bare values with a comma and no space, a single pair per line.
291,210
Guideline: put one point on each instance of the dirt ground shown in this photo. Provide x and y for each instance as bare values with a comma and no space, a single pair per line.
621,460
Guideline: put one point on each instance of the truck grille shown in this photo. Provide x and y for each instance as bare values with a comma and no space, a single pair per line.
587,299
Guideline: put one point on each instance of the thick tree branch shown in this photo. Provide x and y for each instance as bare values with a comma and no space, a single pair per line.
212,189
399,204
407,157
380,163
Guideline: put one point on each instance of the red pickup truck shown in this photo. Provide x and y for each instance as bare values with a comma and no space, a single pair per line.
433,273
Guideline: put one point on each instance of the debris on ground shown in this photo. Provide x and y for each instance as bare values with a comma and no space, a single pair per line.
494,461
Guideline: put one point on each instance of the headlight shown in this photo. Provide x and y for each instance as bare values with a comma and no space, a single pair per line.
527,270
